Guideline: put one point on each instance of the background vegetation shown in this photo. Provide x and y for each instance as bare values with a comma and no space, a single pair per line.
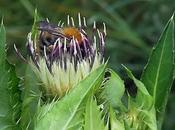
133,26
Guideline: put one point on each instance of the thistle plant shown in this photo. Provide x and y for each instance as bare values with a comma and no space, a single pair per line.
68,85
63,56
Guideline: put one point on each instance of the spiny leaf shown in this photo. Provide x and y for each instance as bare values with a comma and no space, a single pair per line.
93,117
158,73
65,112
143,98
2,46
115,124
114,89
142,108
9,91
31,91
30,100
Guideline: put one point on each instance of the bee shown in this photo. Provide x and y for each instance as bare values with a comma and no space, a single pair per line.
49,33
70,32
47,36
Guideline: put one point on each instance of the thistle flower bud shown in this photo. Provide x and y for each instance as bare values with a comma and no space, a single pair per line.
62,56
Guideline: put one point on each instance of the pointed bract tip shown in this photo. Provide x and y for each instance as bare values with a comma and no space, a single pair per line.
37,16
2,21
68,20
104,29
107,61
59,23
94,25
72,20
129,72
47,19
172,17
79,19
124,67
15,47
36,10
35,13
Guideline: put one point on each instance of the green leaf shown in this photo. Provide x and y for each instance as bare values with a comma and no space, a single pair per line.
31,95
143,98
2,46
67,114
158,73
114,90
93,116
143,107
34,27
115,124
31,92
9,91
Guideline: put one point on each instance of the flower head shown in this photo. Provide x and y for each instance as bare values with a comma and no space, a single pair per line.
61,56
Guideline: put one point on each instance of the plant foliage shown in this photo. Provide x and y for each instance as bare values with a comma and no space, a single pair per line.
81,108
9,91
158,74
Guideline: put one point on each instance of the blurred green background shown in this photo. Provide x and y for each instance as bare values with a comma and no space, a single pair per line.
133,27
